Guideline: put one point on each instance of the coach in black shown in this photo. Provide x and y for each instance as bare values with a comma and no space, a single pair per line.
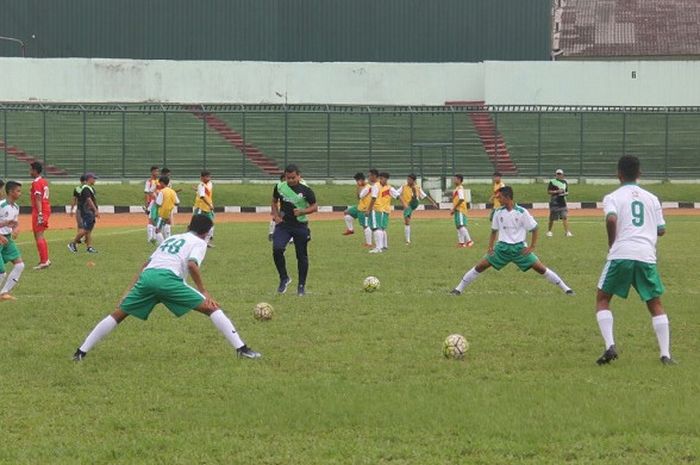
292,200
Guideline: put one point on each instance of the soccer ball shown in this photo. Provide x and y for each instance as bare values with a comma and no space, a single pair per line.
370,284
262,311
455,346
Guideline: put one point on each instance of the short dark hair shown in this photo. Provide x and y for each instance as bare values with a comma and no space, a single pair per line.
200,224
374,172
283,177
154,168
412,176
83,178
497,173
205,173
384,174
629,167
291,168
460,177
359,177
164,180
12,185
165,170
506,191
36,166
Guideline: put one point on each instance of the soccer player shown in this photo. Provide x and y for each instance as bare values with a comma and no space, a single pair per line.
162,279
204,201
497,184
87,209
360,210
510,224
379,210
410,195
149,197
459,212
292,200
634,221
41,211
558,189
9,228
166,200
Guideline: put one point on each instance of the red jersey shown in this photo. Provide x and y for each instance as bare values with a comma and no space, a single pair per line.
40,188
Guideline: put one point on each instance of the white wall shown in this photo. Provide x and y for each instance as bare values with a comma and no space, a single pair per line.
662,83
557,83
103,80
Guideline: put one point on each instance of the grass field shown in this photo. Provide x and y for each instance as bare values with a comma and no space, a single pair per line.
328,194
350,377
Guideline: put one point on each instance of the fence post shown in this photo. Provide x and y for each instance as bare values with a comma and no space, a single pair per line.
328,143
666,152
624,133
539,143
43,135
580,150
123,144
410,135
165,138
84,141
243,152
452,116
369,135
4,138
204,139
495,136
286,136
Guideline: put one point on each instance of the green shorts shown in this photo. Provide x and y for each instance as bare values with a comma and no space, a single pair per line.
153,213
199,211
619,275
505,253
378,220
156,286
408,211
460,219
360,215
8,252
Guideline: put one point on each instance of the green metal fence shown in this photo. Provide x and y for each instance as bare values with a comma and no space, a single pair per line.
256,141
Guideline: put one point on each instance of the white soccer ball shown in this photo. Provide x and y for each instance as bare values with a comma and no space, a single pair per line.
455,346
370,284
262,311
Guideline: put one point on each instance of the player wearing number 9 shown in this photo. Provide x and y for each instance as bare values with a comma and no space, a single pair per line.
634,221
162,279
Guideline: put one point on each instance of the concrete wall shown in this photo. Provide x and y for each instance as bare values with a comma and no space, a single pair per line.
556,83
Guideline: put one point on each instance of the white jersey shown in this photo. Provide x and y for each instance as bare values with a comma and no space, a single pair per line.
151,186
176,251
639,218
8,212
513,226
203,188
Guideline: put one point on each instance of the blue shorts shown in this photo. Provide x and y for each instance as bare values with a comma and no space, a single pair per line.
88,218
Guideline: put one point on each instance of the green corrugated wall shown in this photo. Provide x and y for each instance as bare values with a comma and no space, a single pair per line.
280,30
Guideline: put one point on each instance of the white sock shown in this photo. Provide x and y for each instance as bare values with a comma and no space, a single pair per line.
166,231
554,278
348,222
210,235
226,327
661,328
460,236
605,323
368,236
407,232
159,238
271,228
377,238
102,329
13,278
468,277
467,237
385,239
150,232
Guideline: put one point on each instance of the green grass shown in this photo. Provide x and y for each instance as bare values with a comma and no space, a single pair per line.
328,194
350,377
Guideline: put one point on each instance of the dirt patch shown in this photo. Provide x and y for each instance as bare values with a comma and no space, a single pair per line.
64,221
